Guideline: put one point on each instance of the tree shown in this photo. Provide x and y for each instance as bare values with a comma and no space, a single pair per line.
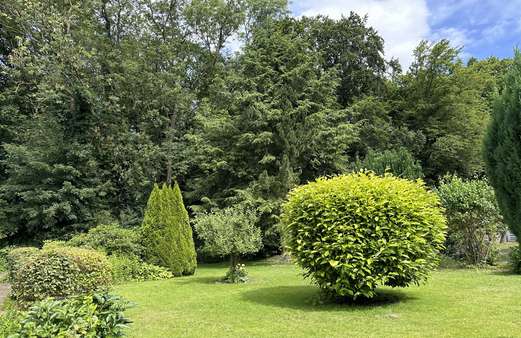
503,148
52,186
441,100
167,235
229,232
352,47
275,122
398,162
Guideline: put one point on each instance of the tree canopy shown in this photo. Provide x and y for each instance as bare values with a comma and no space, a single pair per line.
236,100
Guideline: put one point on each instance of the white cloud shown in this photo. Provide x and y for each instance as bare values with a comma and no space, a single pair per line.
402,24
457,37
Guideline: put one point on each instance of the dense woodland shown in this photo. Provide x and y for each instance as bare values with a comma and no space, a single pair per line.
100,99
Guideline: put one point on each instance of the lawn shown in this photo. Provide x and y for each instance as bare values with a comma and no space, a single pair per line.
278,302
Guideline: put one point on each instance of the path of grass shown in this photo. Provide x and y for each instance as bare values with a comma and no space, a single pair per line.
279,303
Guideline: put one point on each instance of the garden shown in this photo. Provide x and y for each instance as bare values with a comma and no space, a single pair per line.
155,184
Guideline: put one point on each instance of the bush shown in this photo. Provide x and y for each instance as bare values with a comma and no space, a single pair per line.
167,235
399,162
61,272
503,148
236,274
110,238
515,258
18,257
474,220
229,232
99,315
355,232
129,268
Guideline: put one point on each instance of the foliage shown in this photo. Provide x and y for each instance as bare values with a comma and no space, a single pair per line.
443,101
166,232
275,122
110,238
229,232
473,217
17,258
515,259
61,272
129,268
100,99
503,148
98,315
399,162
354,48
236,274
355,232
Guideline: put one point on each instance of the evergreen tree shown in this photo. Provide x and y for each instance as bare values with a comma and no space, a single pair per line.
275,122
503,148
399,162
167,235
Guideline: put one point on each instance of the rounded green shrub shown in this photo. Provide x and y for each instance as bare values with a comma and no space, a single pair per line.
474,219
355,232
130,268
166,231
62,272
110,238
17,257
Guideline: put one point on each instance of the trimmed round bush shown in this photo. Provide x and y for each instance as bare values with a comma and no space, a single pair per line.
62,272
355,232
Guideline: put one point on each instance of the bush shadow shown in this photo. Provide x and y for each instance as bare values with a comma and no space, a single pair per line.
307,298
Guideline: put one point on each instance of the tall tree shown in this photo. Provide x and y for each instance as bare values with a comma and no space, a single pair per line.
274,124
503,148
441,99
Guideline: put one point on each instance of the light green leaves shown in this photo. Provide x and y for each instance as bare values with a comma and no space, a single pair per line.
355,232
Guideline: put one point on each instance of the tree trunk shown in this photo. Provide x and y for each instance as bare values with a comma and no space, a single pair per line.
234,260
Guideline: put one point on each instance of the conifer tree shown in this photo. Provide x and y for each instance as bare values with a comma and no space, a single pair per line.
167,235
503,148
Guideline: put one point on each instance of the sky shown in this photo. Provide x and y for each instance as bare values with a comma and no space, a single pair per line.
481,27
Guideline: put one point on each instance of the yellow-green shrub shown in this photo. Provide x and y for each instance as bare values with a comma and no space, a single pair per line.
355,232
62,272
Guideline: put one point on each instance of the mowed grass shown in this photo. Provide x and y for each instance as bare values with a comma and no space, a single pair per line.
278,302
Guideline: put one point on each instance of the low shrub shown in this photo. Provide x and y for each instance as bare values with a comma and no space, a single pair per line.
355,232
61,272
474,220
400,163
98,315
515,258
110,238
236,274
3,257
129,268
18,257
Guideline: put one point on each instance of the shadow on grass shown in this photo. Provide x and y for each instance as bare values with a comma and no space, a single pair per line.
307,298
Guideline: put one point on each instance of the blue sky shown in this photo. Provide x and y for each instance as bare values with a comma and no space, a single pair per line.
482,27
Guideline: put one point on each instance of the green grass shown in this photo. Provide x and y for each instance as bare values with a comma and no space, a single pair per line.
278,302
